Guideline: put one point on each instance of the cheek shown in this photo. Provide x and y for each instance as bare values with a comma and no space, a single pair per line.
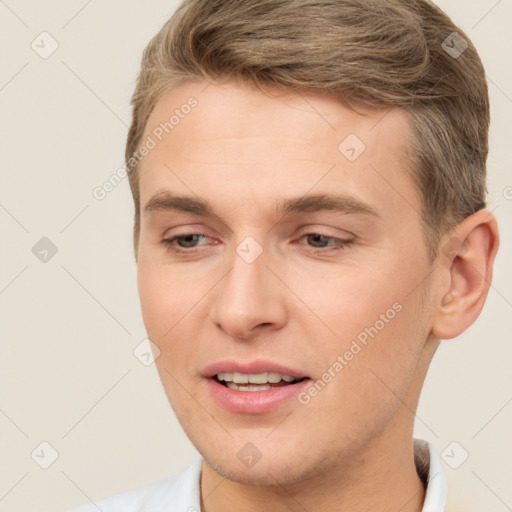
173,310
165,295
377,324
154,298
350,299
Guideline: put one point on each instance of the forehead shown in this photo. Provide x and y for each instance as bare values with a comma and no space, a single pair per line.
236,137
238,111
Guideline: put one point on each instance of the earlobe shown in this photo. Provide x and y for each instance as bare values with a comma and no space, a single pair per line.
467,256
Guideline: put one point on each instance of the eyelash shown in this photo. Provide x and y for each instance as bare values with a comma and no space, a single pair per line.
341,243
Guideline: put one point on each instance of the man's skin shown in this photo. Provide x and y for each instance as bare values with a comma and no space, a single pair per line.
304,300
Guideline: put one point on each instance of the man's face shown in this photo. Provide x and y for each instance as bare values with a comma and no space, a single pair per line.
271,278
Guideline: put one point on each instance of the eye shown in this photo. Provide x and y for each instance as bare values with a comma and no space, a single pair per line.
319,241
184,242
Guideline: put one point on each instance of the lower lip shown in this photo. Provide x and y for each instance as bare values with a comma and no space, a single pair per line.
254,402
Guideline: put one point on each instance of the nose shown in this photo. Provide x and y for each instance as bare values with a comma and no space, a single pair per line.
250,300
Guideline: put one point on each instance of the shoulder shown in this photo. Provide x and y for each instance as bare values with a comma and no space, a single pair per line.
181,492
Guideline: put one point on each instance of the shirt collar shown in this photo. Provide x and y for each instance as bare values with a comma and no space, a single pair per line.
430,470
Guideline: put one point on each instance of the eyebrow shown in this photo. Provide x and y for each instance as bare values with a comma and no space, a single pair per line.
342,203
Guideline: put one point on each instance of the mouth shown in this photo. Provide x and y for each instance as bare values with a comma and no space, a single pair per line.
254,387
254,382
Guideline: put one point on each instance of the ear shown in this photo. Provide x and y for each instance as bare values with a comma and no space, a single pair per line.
466,256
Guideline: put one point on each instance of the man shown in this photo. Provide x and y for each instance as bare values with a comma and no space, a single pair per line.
310,221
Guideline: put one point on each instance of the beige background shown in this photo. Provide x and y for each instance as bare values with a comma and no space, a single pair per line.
69,326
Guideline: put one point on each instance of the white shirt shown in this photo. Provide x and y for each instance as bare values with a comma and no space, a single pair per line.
181,492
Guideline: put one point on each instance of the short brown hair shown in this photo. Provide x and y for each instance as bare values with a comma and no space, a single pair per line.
377,53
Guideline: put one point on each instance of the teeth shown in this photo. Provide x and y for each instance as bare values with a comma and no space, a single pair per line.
240,378
247,387
276,377
254,378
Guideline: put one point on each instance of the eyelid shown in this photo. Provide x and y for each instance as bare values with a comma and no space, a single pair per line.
183,229
342,234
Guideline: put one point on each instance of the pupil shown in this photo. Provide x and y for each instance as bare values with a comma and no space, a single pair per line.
318,239
189,240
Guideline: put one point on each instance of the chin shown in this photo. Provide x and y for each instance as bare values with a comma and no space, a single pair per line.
265,473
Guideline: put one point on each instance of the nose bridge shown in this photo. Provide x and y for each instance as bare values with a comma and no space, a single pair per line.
249,295
245,279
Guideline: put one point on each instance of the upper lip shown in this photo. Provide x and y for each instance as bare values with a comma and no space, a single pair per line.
252,367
